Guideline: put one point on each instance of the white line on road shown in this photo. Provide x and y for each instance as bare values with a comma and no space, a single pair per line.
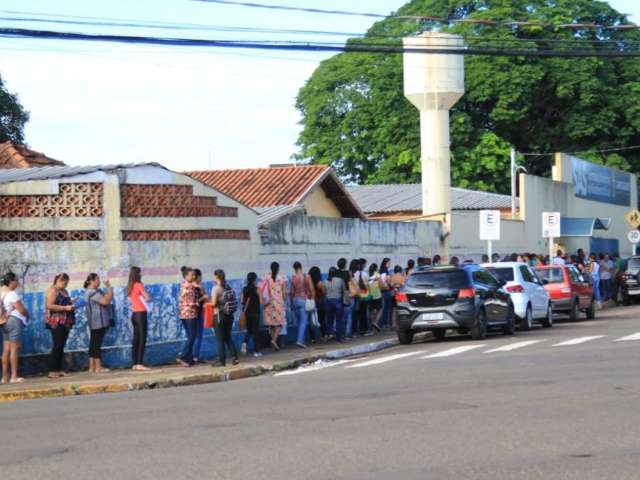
453,351
514,346
314,367
635,336
388,358
578,341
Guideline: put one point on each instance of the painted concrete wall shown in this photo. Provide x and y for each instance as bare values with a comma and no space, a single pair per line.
318,205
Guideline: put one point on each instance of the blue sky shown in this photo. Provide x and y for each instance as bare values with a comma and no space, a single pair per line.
188,109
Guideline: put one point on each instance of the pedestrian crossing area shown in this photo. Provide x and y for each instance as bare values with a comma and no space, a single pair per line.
484,348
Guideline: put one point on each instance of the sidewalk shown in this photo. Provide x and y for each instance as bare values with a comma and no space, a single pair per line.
82,383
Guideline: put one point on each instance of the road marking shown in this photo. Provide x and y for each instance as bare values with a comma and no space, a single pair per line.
514,346
578,341
635,336
453,351
314,367
388,358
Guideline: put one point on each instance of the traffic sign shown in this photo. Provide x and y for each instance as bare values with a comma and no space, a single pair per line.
489,224
550,224
634,236
633,218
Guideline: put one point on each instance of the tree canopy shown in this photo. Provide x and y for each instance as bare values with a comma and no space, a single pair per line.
355,116
12,116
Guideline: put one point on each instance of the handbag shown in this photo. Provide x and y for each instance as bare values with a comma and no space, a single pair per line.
243,316
266,293
309,305
313,319
209,315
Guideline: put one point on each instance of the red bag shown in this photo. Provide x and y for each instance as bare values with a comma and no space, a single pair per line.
209,315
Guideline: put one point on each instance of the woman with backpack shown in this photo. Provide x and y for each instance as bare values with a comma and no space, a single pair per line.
189,302
387,294
336,292
351,308
273,297
60,318
375,292
99,318
138,298
202,296
14,319
361,316
223,299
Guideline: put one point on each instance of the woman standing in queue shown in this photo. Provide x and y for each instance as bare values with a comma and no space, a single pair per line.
100,318
250,301
202,299
189,304
60,317
138,298
224,302
273,297
12,329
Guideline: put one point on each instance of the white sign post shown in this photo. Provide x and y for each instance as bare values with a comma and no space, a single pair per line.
551,229
490,228
634,238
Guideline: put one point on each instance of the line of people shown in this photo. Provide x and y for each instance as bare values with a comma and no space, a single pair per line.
348,302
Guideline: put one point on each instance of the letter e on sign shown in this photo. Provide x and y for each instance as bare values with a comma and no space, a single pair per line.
489,224
551,224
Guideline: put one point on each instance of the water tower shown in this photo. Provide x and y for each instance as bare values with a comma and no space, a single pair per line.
434,82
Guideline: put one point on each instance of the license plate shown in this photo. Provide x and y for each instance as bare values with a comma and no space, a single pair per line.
432,316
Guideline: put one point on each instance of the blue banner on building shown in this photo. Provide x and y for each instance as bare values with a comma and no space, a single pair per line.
599,183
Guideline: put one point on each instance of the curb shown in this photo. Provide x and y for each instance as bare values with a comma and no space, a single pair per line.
206,378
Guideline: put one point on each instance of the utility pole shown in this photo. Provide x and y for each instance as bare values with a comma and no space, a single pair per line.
513,183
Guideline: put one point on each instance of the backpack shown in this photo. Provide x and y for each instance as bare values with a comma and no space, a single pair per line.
4,314
229,301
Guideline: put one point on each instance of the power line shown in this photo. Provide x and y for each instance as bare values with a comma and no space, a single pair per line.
353,47
604,150
294,9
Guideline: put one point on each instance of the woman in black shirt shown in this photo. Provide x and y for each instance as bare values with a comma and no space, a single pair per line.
251,306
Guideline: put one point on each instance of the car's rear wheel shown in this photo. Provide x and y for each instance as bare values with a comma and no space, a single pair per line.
548,320
479,331
527,322
405,335
510,327
591,311
439,334
573,313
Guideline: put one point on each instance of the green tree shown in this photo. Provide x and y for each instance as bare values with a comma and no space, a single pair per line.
12,116
355,116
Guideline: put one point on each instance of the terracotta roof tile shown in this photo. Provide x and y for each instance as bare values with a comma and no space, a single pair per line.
264,187
18,156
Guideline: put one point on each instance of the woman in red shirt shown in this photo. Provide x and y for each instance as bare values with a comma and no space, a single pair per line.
138,298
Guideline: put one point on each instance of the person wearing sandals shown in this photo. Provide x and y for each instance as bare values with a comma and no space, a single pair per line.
99,317
60,318
273,297
138,298
250,301
12,329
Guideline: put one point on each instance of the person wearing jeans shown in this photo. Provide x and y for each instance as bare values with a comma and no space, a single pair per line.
301,291
60,318
387,294
189,310
138,298
335,296
224,323
197,344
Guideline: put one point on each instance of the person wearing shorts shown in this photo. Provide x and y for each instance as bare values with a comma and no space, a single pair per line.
12,329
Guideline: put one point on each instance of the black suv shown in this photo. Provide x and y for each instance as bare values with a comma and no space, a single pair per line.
630,280
468,299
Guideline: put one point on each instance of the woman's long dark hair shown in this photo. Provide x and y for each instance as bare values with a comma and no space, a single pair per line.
8,278
221,276
135,276
316,276
353,266
410,265
90,278
333,273
384,266
275,268
373,268
61,276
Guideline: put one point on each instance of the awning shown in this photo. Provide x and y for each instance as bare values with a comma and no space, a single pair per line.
582,227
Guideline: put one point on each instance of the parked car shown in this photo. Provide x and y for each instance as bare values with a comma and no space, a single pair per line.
630,280
569,290
467,299
531,301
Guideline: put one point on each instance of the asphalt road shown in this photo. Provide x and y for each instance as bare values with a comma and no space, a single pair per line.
526,411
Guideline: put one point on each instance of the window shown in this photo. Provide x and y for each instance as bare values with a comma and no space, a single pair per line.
551,275
527,276
452,279
575,276
483,276
504,274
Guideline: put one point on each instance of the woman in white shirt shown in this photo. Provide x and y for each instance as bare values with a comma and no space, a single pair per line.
12,329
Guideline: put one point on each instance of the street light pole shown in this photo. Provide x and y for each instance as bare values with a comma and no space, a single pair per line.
513,184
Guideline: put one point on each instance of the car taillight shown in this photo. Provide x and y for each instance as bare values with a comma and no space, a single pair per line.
467,293
515,289
401,297
565,290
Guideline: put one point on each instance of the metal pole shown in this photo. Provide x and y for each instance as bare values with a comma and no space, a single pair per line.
513,183
550,249
490,250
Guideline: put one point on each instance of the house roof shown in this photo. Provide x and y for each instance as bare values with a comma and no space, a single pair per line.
395,198
18,156
267,188
48,173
